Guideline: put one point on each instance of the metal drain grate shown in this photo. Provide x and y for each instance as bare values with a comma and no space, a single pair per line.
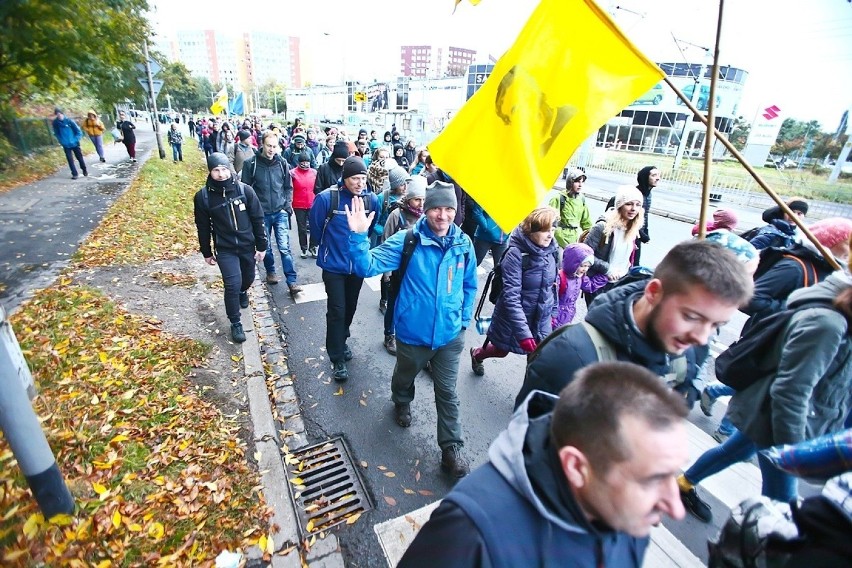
330,491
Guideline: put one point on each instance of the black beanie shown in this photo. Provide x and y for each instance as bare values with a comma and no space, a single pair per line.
353,166
217,159
243,135
341,150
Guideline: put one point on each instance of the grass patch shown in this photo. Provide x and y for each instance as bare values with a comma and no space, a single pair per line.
153,219
40,164
163,480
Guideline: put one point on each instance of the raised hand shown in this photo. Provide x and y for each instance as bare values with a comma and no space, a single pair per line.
359,221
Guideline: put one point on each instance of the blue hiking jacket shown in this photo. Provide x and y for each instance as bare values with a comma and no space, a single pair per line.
439,287
333,239
67,132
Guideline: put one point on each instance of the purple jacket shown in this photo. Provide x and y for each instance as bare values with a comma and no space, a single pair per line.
570,286
528,301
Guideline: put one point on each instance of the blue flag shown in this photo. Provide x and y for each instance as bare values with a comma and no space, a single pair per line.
237,105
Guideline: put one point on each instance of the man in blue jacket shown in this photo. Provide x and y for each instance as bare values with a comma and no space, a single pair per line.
330,234
69,135
433,308
576,480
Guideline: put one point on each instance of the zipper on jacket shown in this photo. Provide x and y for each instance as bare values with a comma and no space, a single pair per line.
450,279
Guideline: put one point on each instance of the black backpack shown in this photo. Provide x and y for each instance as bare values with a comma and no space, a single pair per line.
495,277
746,360
751,233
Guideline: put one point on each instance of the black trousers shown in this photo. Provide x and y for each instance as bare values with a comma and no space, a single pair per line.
342,291
237,268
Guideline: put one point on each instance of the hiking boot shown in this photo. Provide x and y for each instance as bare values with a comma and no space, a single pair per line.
244,299
706,403
237,333
390,344
103,160
347,353
85,173
383,306
476,364
720,436
696,506
294,289
74,176
314,252
304,254
403,414
272,278
452,461
339,372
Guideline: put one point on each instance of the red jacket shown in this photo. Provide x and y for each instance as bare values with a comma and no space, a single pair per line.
303,187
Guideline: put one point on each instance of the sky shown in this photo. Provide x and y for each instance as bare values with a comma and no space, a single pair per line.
797,53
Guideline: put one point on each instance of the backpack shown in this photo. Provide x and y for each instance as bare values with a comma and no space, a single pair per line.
769,257
205,201
746,361
751,233
335,203
388,207
495,277
407,250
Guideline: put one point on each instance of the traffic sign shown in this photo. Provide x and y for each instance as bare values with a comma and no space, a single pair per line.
155,67
360,97
158,84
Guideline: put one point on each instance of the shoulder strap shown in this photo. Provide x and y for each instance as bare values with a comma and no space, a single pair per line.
385,199
602,345
205,198
407,251
333,205
807,273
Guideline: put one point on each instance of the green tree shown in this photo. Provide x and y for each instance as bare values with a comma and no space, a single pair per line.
273,94
793,135
178,84
740,132
46,46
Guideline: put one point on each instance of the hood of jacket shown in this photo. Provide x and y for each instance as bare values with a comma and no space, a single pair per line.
611,313
786,227
574,255
526,459
642,179
518,239
826,291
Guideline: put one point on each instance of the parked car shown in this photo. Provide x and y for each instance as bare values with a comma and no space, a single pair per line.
703,96
652,97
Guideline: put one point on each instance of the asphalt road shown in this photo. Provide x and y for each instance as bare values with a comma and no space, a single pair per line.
363,413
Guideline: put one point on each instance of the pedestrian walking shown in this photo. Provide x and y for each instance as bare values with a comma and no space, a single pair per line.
175,139
228,214
94,128
128,136
69,134
574,216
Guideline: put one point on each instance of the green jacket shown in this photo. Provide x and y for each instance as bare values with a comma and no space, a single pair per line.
574,218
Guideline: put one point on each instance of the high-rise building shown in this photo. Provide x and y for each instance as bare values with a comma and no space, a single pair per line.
243,61
434,61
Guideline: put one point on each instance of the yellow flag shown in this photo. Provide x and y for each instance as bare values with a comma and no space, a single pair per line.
570,70
221,102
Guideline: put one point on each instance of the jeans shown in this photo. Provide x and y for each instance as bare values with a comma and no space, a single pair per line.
177,152
302,227
342,291
98,141
776,484
278,224
237,268
410,360
716,390
481,248
70,154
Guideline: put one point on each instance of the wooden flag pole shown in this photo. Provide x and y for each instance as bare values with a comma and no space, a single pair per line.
774,196
708,138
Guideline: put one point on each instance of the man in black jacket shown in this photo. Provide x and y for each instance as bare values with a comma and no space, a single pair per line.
329,173
229,213
269,176
695,290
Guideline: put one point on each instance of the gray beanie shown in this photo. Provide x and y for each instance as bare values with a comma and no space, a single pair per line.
398,176
440,194
217,159
416,188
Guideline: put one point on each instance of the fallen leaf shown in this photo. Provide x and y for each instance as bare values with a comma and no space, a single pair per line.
408,491
99,489
116,519
382,468
363,464
390,474
32,523
390,501
339,392
362,402
425,492
156,531
351,520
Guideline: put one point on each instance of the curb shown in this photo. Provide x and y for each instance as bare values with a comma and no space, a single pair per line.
278,429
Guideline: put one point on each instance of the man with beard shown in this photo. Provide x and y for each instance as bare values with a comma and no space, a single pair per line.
659,324
577,480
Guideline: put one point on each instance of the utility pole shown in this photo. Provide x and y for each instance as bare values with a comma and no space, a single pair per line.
153,101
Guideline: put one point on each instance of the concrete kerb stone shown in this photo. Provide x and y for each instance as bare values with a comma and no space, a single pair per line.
282,426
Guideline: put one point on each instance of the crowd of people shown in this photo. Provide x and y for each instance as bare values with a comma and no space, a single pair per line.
594,452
